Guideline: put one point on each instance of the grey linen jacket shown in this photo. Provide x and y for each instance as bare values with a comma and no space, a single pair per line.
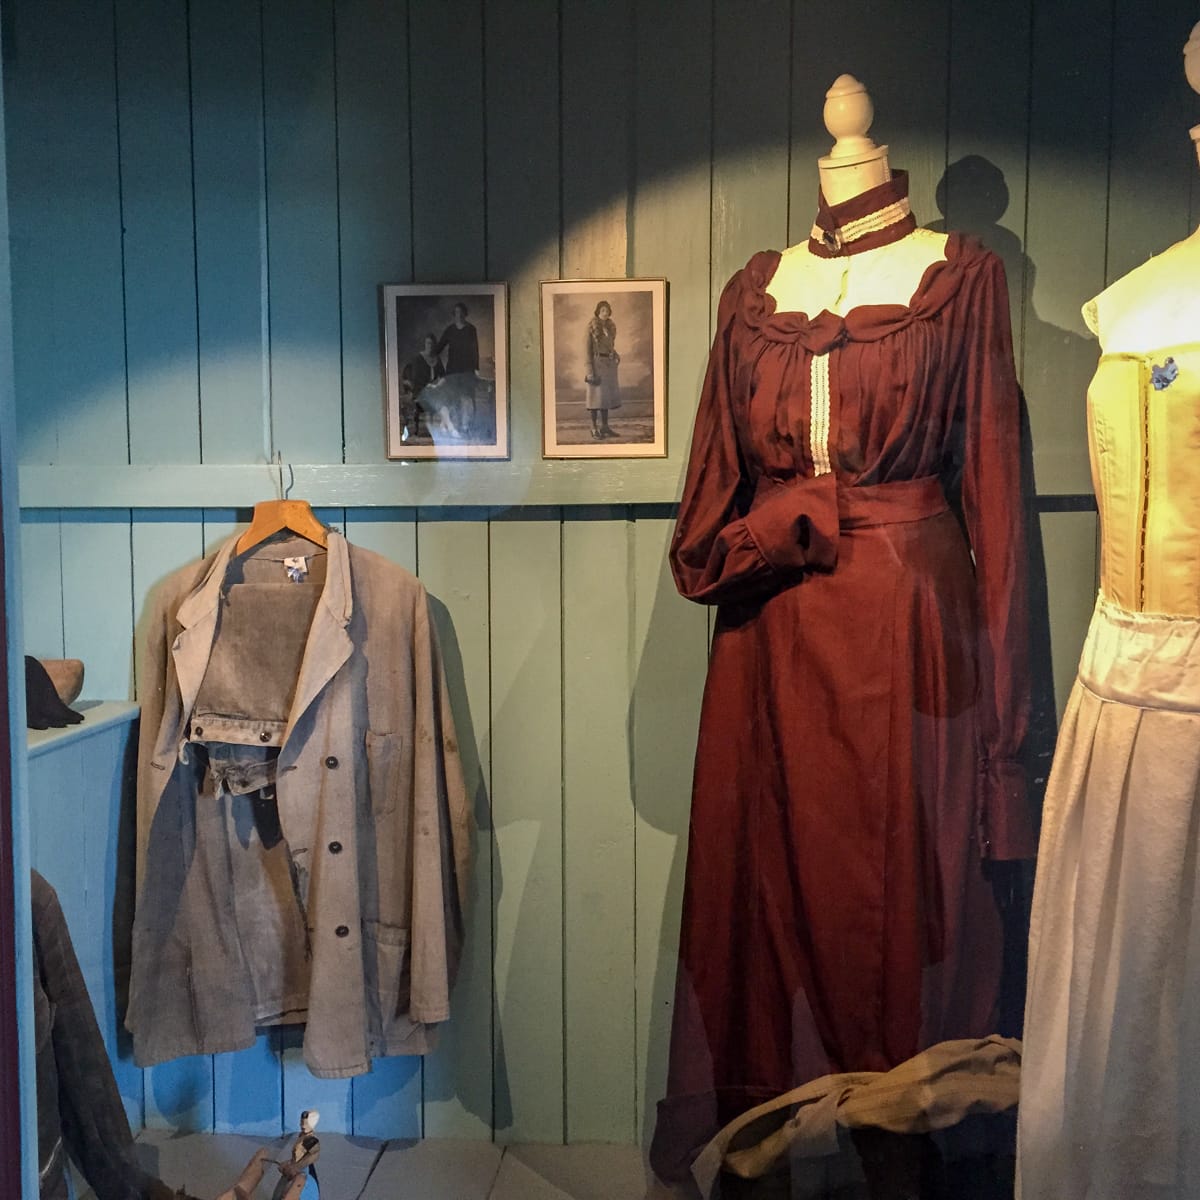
371,803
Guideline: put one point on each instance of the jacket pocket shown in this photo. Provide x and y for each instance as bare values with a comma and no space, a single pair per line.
385,950
385,760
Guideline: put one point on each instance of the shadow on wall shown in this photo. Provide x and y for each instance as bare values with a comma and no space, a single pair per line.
470,1083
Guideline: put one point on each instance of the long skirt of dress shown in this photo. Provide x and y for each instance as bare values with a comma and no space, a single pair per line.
1110,1105
606,393
835,916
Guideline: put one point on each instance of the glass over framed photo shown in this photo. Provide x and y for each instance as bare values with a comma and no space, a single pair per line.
604,368
445,357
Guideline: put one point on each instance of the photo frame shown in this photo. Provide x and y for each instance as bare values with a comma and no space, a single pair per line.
445,368
604,376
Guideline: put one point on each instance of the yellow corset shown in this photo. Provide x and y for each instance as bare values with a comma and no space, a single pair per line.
1145,451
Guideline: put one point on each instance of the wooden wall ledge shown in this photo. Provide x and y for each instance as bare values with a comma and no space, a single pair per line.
387,485
380,485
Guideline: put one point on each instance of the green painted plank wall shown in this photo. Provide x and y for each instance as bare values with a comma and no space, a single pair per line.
204,198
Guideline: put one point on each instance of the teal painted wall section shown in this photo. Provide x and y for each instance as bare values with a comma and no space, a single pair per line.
204,198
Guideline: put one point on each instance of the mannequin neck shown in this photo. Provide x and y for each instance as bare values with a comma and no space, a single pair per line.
841,181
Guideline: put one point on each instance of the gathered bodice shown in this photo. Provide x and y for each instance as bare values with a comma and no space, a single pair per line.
1144,438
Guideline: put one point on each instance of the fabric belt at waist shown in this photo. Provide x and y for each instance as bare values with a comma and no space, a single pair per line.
870,504
890,503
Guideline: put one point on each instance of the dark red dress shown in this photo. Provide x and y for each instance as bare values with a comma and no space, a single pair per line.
867,691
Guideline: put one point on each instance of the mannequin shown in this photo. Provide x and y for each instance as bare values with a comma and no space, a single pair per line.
857,755
1109,1107
807,282
1158,303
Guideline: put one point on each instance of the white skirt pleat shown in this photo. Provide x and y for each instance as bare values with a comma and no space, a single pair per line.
1110,1091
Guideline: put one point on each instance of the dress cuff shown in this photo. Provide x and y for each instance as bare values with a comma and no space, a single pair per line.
795,525
1006,825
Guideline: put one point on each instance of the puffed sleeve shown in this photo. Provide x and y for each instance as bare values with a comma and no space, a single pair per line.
993,510
729,547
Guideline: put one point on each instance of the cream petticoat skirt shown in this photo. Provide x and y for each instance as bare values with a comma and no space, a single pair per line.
1110,1076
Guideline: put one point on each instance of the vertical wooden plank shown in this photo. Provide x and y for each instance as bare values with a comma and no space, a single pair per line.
671,200
671,230
454,568
1066,235
387,1102
248,1091
670,656
1069,543
526,653
374,200
333,1098
56,804
1152,108
41,582
222,523
596,70
522,192
162,541
984,190
107,764
598,838
97,599
159,247
391,532
447,118
67,296
179,1095
230,221
749,134
302,225
812,74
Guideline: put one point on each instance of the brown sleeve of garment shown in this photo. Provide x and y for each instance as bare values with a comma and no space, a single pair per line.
994,511
721,551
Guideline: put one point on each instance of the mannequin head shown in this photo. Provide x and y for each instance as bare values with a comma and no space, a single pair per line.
1191,68
1191,58
308,1120
855,163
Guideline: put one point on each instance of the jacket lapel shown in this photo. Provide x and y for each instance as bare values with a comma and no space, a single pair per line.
328,645
198,617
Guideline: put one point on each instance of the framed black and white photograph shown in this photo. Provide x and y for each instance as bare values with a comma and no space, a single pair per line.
445,354
604,368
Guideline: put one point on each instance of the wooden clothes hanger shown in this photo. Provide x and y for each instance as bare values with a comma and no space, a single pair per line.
271,516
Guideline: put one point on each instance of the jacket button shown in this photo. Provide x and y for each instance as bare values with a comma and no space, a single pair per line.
197,731
335,847
331,762
264,736
342,931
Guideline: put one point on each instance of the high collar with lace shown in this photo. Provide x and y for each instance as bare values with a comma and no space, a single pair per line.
873,218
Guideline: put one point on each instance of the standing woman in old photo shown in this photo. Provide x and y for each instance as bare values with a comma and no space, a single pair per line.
602,359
